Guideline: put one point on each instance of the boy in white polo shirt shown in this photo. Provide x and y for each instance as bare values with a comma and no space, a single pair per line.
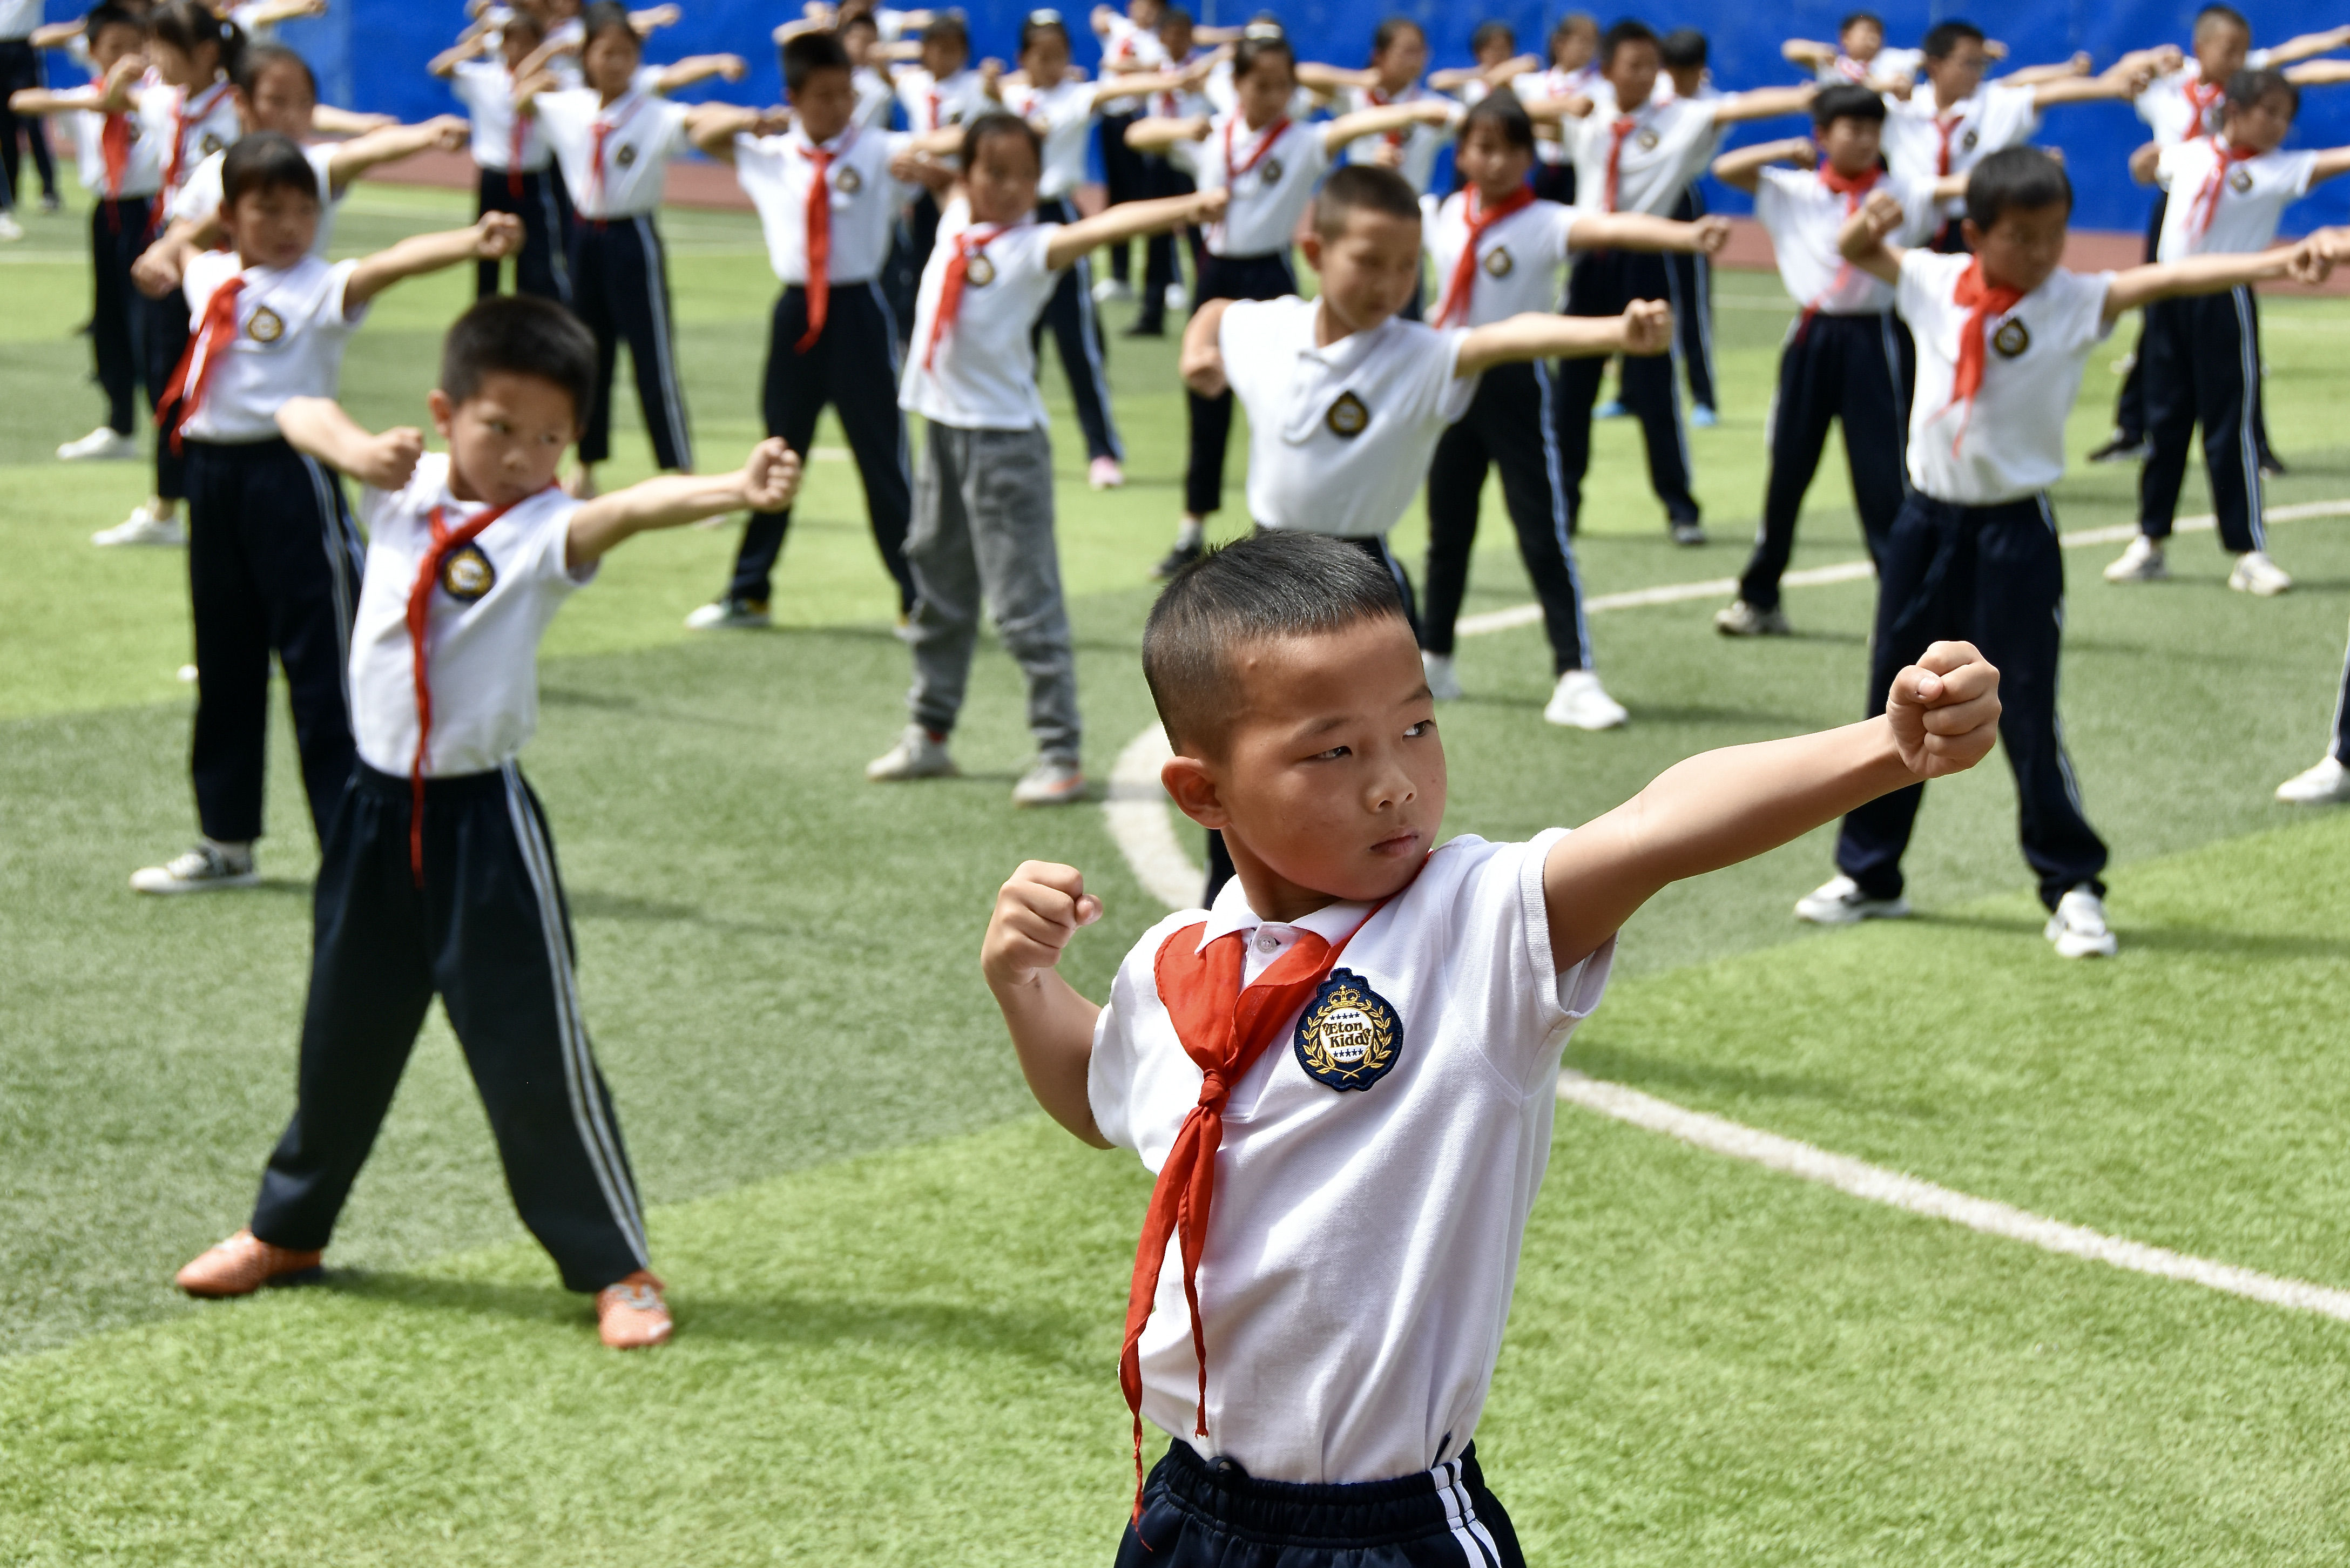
2002,337
438,877
1361,1005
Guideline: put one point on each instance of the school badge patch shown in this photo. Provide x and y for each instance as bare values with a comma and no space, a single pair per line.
1348,417
981,272
266,326
2012,340
1498,263
1647,140
1970,138
209,145
625,156
1348,1037
848,182
2241,180
1269,171
466,574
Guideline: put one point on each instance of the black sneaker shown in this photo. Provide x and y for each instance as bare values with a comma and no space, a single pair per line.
2123,448
1146,329
1180,556
2272,465
1690,533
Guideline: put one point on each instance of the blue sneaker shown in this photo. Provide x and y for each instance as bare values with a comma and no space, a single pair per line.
1613,408
1704,418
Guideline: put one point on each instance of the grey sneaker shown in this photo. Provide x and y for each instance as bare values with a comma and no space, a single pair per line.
915,756
1054,781
1691,534
1739,618
208,868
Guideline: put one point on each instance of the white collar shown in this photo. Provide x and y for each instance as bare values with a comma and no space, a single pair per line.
1231,912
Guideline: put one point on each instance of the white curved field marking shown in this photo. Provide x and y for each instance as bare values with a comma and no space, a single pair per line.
1139,821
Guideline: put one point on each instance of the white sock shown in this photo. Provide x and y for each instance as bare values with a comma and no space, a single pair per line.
1191,534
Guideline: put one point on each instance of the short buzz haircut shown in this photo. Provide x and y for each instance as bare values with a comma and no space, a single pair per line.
519,335
1861,19
110,14
265,161
805,54
995,123
1272,584
1627,31
2014,177
1846,100
1506,116
1494,32
1362,186
2227,14
1944,38
2246,89
1683,50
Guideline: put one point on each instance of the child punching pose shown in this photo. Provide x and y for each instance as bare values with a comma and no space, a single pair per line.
615,137
2200,356
1847,359
440,876
1497,249
272,558
1362,1010
982,527
2002,337
517,167
1270,163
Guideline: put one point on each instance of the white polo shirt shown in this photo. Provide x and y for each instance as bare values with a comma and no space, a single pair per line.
1804,217
1535,86
643,132
1665,148
1129,48
1066,113
2178,106
1362,1242
1419,144
1998,116
486,89
1271,173
1339,438
1518,257
292,328
2013,441
1887,66
199,200
874,98
2250,199
774,170
983,375
143,167
932,104
481,651
203,124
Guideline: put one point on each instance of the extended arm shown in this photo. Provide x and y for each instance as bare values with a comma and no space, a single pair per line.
2334,160
1052,1026
1646,327
1141,84
2308,44
1200,363
1128,220
2126,78
269,13
2146,163
1317,77
448,132
1349,128
767,482
1724,807
713,127
697,68
1158,133
2200,275
1861,241
2319,73
32,101
1763,103
328,119
1639,231
472,46
1742,170
318,428
497,235
1809,52
2035,76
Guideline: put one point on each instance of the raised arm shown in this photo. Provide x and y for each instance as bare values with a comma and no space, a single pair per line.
496,236
1142,84
1763,103
699,69
54,34
765,483
1378,121
713,127
1036,913
2204,275
1861,241
2333,161
1158,133
1129,220
472,46
1646,327
1201,361
32,101
317,427
1724,807
2319,73
2034,76
1317,77
446,132
2308,44
1809,52
654,18
269,13
328,120
2125,78
1742,169
2146,163
1639,231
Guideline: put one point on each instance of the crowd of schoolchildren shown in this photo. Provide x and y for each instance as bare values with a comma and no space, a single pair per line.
921,213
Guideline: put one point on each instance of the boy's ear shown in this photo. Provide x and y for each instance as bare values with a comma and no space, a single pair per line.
1191,785
1313,249
1973,232
444,411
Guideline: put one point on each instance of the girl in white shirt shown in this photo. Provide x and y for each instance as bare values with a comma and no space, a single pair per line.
517,165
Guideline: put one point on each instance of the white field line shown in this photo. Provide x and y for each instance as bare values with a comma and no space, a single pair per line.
1860,1179
1145,834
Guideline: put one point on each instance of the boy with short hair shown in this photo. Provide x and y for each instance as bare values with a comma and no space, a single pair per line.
439,877
1859,56
2002,337
1319,1356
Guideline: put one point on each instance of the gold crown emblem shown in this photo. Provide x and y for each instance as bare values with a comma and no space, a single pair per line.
466,574
1498,263
266,326
1348,417
2012,338
1348,1037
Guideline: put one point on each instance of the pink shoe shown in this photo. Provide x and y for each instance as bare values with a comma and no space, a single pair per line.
1104,473
631,1314
241,1265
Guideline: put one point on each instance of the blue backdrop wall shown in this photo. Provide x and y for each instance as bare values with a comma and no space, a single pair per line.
371,55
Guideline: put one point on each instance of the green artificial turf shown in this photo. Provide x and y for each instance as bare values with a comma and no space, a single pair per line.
899,1290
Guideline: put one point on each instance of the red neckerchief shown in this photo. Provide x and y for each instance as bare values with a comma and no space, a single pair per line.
516,136
207,346
933,96
184,113
1855,190
2200,96
604,127
2206,205
419,613
1266,139
114,148
967,243
1465,271
1983,302
1224,1028
1618,131
1382,101
820,239
1943,127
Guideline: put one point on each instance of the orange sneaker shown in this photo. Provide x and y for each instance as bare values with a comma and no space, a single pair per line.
631,1315
241,1265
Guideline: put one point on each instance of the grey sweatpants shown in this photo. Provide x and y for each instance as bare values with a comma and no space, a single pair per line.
983,533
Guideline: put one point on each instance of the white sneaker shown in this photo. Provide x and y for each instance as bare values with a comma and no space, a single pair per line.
2078,927
1443,684
2256,573
915,756
142,527
1178,297
1054,781
1739,618
207,868
2141,563
730,615
1104,473
10,229
1838,901
1111,288
2325,784
104,444
1580,702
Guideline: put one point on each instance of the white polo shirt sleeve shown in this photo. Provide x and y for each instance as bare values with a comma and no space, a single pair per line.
2011,115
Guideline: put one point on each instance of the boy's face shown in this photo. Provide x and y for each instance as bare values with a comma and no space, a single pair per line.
610,62
1850,145
860,38
1861,41
943,56
1632,70
1175,37
281,102
1369,268
516,44
1002,179
1488,161
1494,50
1145,14
1400,62
1573,49
114,45
1046,58
1958,73
1332,776
2260,125
271,227
2220,47
1264,93
2021,246
823,103
507,440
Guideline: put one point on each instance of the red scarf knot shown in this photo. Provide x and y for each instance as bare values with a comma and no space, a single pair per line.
207,346
1983,301
1623,128
2214,188
967,244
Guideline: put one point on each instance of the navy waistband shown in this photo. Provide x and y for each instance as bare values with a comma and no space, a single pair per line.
2030,506
270,447
454,786
1353,1513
